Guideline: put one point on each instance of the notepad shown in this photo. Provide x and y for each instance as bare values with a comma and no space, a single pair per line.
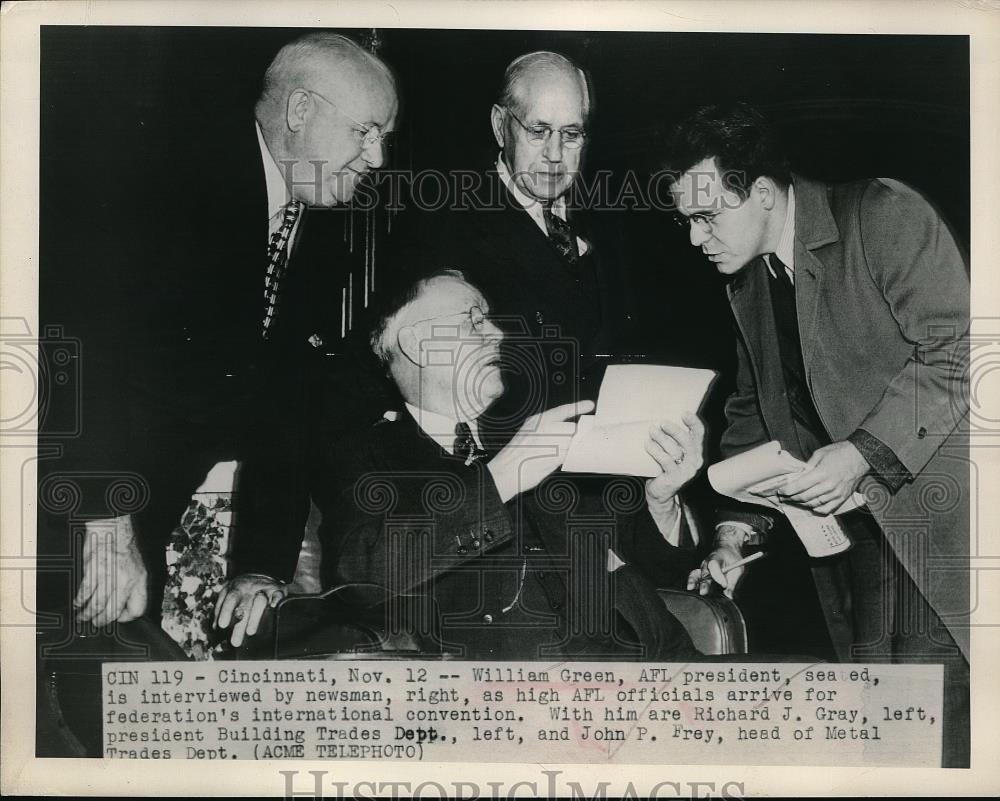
633,398
749,476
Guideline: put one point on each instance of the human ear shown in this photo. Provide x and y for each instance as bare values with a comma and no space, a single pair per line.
766,192
297,109
409,344
496,120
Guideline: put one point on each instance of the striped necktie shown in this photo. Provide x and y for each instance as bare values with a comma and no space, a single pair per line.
277,261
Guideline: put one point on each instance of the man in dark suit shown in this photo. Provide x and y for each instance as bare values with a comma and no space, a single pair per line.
556,281
852,307
226,268
414,504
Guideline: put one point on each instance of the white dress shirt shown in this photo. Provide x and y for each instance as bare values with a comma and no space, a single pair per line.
278,195
786,244
441,428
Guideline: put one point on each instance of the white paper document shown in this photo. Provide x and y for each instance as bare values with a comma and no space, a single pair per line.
752,477
632,399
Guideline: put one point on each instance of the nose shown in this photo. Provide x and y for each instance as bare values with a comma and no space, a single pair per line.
698,235
491,331
373,152
554,147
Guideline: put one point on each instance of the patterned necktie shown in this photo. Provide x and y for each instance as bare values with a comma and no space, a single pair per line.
465,444
277,261
561,235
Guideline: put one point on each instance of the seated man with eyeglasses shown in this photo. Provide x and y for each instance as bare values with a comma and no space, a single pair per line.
496,556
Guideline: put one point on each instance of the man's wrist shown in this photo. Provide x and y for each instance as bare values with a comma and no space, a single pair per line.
738,535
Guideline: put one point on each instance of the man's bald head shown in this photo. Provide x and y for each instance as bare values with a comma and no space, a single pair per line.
526,73
324,103
319,59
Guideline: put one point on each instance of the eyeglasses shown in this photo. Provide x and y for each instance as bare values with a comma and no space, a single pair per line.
476,316
703,220
368,134
539,134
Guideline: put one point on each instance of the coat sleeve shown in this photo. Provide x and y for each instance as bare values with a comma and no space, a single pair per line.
402,528
913,259
647,550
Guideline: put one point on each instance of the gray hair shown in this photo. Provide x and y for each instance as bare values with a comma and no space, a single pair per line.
521,66
296,62
383,329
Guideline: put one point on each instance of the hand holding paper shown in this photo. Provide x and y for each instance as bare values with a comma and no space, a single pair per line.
634,398
763,474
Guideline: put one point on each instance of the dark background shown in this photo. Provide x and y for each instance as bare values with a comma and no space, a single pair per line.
848,106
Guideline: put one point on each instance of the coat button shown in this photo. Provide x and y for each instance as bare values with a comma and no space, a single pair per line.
539,317
921,432
487,619
556,605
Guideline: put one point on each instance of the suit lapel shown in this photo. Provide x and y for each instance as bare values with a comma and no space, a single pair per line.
750,298
814,228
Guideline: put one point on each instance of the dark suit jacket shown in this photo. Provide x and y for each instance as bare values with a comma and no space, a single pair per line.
882,299
558,319
180,251
402,513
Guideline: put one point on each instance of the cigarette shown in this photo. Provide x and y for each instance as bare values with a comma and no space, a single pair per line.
751,558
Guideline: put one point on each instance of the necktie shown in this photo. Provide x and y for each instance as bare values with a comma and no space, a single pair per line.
561,235
277,261
465,444
781,278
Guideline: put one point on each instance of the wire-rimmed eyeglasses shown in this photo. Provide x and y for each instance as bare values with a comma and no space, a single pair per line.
476,316
539,134
703,220
370,134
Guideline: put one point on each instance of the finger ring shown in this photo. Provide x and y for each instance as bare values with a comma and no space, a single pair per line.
238,613
679,459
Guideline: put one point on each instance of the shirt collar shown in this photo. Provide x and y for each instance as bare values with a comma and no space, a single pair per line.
277,191
786,245
530,204
441,428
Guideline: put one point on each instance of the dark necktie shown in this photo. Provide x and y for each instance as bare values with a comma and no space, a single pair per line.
465,444
790,349
277,261
782,279
561,235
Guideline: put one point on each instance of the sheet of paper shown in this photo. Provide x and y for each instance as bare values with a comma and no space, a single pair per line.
736,476
633,397
820,534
